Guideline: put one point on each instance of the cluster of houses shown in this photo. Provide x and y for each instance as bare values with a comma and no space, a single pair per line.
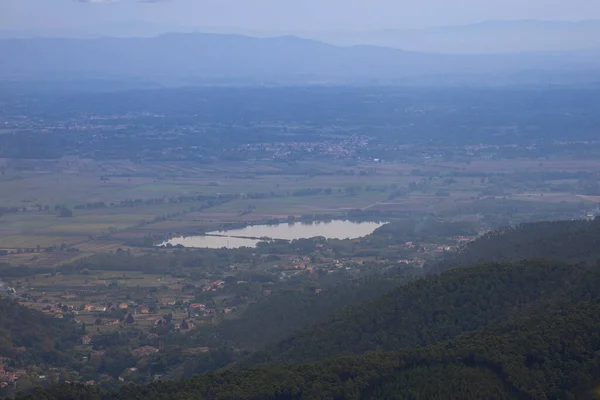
9,377
200,310
94,308
213,286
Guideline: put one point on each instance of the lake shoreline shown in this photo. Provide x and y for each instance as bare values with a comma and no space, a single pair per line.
251,235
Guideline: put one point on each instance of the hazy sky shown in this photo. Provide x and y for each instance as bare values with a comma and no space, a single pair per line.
285,14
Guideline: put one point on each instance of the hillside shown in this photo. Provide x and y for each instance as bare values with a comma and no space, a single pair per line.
553,355
29,335
575,241
278,315
523,330
438,308
236,58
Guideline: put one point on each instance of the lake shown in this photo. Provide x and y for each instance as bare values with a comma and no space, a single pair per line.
246,237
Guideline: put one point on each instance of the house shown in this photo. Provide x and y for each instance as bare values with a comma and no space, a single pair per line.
85,340
123,306
196,309
12,376
89,307
143,310
167,302
212,286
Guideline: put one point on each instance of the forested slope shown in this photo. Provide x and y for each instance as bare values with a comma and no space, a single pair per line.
562,240
29,335
553,355
276,316
272,318
438,308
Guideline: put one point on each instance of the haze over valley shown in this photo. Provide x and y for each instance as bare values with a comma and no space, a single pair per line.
312,200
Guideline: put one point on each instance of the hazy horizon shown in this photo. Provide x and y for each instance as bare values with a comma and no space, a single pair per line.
485,37
464,26
430,26
283,16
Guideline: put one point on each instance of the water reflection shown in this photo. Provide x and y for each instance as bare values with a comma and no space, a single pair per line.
249,236
212,242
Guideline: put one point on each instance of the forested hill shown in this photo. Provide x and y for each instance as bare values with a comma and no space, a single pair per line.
553,355
438,308
562,240
31,336
274,317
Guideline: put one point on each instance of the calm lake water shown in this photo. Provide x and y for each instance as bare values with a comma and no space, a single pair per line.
236,238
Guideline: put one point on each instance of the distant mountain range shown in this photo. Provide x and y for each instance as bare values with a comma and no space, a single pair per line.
484,38
236,58
502,36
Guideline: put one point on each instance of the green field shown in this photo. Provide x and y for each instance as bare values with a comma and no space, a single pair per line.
37,187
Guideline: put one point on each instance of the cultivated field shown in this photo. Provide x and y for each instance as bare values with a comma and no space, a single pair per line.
154,198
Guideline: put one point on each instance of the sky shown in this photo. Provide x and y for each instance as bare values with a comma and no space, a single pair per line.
284,15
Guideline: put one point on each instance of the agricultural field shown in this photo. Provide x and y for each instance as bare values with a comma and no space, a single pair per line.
162,199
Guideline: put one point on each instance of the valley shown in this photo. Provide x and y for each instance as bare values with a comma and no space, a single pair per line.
156,239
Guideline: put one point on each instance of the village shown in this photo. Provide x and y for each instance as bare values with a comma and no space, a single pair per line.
141,312
119,299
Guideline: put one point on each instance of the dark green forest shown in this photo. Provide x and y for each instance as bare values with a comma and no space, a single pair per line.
438,308
562,240
278,315
28,334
